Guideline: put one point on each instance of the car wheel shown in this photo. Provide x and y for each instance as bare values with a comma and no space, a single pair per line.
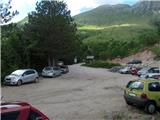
147,77
53,75
36,80
128,103
19,83
150,107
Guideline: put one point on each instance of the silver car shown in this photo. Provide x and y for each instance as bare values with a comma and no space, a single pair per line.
125,70
51,72
19,77
151,73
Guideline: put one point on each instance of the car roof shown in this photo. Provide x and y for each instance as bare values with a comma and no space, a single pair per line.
13,106
147,80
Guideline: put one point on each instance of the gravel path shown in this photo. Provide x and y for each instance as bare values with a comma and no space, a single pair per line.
82,94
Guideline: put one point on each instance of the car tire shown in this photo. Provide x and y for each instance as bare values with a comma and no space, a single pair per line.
150,107
36,80
19,83
53,75
147,77
128,103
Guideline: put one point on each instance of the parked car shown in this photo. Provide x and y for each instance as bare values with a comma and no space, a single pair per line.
144,93
157,77
21,76
134,70
51,71
64,69
125,70
115,68
144,70
135,62
151,73
20,111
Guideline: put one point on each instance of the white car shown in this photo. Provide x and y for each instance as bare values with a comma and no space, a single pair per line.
125,70
51,71
151,73
21,76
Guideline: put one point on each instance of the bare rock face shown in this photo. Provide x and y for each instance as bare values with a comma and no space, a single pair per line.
146,7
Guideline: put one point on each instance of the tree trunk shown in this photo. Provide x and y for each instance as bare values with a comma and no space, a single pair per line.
53,61
49,60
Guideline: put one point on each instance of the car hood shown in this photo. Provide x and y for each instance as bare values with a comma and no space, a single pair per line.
12,76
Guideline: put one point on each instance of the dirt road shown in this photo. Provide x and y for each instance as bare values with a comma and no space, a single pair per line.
82,94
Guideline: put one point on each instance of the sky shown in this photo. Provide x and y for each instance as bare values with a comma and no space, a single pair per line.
76,6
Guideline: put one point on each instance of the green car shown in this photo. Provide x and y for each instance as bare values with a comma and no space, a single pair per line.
143,93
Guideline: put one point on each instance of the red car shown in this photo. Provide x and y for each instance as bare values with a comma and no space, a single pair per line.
157,77
135,70
20,111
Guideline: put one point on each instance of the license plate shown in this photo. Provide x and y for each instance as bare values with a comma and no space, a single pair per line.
132,94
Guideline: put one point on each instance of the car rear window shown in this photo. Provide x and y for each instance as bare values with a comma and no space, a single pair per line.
10,115
155,86
135,85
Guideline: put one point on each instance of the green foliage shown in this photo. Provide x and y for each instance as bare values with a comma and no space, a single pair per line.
156,50
118,41
101,64
11,50
149,38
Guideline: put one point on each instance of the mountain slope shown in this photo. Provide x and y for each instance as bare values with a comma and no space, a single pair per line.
111,31
117,14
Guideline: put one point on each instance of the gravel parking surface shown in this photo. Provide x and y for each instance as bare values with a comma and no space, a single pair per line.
82,94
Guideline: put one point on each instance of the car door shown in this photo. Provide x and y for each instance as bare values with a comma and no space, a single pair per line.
27,76
154,91
32,75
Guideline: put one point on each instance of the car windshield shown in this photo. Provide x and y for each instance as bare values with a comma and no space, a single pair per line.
136,85
17,72
48,68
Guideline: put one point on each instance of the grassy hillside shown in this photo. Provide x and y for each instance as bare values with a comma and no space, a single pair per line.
119,30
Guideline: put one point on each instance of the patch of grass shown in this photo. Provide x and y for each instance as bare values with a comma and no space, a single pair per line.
101,64
156,50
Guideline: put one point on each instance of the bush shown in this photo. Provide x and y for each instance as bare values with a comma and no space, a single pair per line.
101,64
156,50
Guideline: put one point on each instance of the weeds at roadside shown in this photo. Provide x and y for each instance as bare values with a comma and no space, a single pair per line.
130,116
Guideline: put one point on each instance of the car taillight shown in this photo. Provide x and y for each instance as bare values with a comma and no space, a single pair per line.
143,96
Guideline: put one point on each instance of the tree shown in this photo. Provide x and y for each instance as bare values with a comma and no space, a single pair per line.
11,58
51,31
6,13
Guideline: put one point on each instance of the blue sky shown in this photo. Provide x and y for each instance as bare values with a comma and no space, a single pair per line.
76,6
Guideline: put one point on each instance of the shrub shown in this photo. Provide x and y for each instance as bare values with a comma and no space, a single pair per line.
156,50
101,64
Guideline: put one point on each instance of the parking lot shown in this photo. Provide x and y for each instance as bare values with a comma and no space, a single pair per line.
82,94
